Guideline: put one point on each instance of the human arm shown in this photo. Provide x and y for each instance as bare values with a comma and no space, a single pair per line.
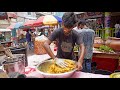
47,43
82,50
50,53
48,49
80,60
53,37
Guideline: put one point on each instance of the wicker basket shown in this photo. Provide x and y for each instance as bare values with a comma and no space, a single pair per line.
38,46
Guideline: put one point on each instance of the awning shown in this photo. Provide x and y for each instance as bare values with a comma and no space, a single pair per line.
15,25
5,30
12,14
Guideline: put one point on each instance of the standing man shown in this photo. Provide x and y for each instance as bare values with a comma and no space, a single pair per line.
117,27
28,38
66,37
88,39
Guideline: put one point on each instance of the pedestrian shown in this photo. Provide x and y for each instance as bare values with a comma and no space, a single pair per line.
117,27
42,32
33,36
66,37
88,39
28,39
118,34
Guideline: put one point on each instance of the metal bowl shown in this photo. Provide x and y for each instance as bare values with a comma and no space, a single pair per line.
115,75
43,66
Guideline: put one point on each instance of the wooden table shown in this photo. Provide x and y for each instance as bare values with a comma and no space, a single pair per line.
99,54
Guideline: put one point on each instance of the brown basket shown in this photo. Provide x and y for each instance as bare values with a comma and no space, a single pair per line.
38,47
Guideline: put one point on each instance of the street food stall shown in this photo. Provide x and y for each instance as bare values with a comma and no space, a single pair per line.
34,61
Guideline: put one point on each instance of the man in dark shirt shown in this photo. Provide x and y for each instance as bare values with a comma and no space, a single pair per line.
28,39
66,37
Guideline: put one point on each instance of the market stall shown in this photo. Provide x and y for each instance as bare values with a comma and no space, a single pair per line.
105,60
5,37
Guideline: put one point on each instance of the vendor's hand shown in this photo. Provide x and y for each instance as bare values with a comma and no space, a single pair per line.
60,63
79,66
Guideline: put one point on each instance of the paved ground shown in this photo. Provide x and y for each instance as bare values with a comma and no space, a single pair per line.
34,59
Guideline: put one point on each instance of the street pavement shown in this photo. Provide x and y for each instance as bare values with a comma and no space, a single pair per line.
34,60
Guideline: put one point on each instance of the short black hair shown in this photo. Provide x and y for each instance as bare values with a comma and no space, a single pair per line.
82,22
69,19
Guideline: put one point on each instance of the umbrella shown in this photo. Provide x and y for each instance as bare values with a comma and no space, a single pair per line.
58,18
39,21
28,24
15,25
43,27
47,20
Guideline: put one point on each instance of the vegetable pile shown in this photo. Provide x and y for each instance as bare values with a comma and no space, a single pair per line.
105,48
